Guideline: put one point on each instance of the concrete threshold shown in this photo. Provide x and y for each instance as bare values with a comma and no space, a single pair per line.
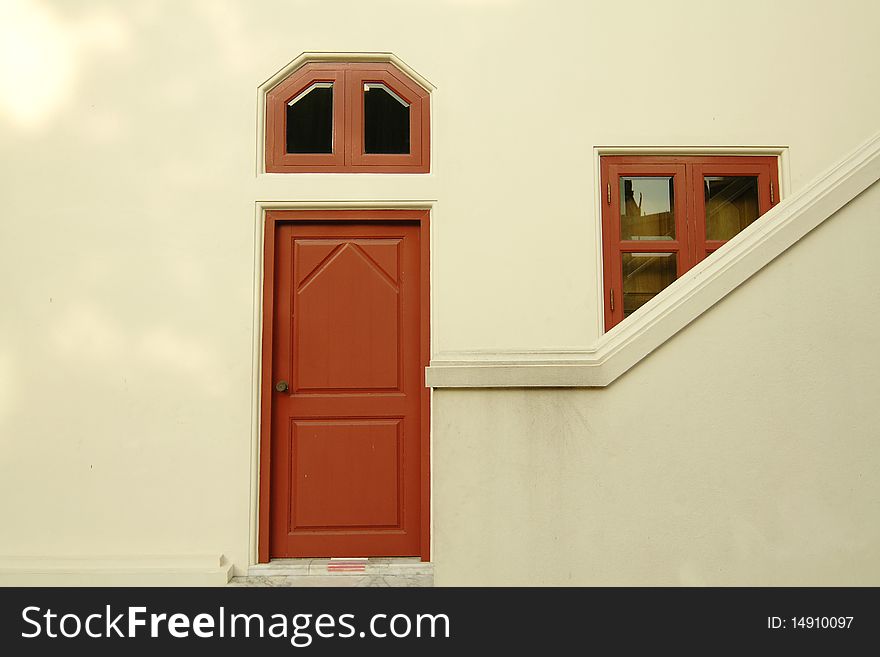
367,572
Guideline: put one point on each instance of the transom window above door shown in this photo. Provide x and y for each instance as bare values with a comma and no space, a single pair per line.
661,215
330,117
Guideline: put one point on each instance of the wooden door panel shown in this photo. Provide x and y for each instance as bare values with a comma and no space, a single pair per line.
346,442
346,317
346,473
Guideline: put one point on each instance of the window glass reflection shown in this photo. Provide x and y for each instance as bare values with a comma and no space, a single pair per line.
647,208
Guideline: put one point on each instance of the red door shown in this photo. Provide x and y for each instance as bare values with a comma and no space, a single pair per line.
347,390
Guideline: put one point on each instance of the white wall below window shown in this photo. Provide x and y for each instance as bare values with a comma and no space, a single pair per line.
742,452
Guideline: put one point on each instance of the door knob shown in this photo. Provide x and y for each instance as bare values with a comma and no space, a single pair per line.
281,386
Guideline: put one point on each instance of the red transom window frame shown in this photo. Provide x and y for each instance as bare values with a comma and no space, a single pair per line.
348,152
682,239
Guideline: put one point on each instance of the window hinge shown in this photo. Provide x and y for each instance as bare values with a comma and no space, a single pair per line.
612,299
771,193
609,193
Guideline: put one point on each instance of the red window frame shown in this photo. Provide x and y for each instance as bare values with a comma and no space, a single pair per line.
348,154
690,244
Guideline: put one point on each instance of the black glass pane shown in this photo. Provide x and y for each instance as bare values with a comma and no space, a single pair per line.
386,122
310,122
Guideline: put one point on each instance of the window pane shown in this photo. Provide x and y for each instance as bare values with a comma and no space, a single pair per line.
731,204
310,120
644,275
386,120
647,209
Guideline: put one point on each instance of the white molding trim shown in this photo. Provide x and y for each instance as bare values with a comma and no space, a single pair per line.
678,305
420,204
145,570
310,57
315,56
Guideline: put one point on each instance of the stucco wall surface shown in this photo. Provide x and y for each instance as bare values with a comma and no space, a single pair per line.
127,272
743,452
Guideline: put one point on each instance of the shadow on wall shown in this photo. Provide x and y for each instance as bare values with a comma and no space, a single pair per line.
43,54
119,253
125,314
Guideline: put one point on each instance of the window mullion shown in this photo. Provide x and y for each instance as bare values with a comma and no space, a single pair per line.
689,218
346,127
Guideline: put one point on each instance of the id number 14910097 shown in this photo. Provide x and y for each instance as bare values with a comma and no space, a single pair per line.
809,623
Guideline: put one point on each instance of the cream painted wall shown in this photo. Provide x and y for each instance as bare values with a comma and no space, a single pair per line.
742,452
127,215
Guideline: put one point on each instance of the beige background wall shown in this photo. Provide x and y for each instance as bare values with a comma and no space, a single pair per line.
127,246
